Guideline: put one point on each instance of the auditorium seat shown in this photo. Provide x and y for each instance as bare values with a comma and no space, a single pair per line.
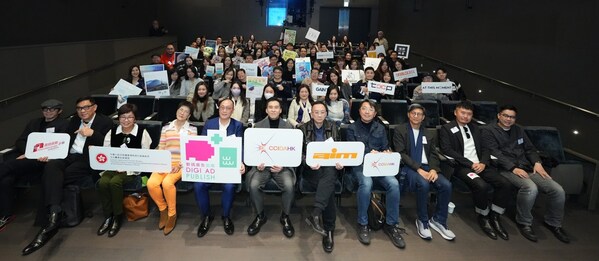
394,111
410,89
144,104
433,112
447,109
106,103
485,112
167,108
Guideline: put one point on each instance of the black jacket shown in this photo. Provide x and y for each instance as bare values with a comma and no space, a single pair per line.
512,150
35,125
403,145
452,144
101,125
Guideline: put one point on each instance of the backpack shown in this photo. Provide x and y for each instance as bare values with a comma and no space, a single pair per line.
376,212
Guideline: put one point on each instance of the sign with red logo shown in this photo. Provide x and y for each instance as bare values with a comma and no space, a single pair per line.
44,144
381,164
273,147
101,158
125,159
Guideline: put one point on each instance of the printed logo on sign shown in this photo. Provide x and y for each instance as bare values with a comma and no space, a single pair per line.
101,158
265,148
198,150
228,157
334,155
377,164
38,146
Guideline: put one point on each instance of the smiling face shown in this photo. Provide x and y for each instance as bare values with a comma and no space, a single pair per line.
225,109
202,91
304,93
126,120
367,112
416,116
333,77
506,118
463,116
333,95
135,72
51,114
190,73
86,110
273,110
170,49
441,75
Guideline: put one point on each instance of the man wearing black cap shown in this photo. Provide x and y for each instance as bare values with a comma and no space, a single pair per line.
50,123
87,128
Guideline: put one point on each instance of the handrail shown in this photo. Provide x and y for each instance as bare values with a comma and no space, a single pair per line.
595,183
72,77
571,106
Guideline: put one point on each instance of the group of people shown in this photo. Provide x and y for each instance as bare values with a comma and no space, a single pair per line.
222,105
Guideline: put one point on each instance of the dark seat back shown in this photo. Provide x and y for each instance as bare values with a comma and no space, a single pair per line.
167,108
106,103
433,112
144,103
447,109
547,140
394,111
154,128
485,111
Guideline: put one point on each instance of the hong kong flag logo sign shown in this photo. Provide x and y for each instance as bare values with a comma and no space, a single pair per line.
101,158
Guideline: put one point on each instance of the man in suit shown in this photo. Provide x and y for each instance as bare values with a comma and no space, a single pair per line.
421,170
86,129
10,170
462,141
519,162
258,176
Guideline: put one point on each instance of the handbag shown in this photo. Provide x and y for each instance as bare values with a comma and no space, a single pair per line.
135,206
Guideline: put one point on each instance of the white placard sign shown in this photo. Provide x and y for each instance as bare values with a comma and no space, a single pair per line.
381,164
193,52
372,62
405,74
255,86
125,88
44,144
319,90
214,158
353,76
273,147
251,69
312,35
381,87
125,159
380,49
437,87
150,68
403,50
220,68
346,153
324,55
156,83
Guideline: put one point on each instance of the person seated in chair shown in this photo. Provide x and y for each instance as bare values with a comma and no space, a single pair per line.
10,170
87,128
223,122
421,170
321,178
258,176
519,162
372,133
110,186
461,140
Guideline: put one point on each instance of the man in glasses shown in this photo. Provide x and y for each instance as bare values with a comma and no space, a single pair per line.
461,140
519,162
10,170
86,128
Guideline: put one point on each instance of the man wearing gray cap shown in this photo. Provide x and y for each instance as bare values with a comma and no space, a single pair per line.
51,122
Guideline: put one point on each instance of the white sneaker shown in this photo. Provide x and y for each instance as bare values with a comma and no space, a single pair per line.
423,231
442,230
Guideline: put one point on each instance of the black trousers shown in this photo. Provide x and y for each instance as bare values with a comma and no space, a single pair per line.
9,172
480,187
61,172
323,180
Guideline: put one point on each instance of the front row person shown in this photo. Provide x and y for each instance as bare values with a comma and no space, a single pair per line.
110,186
258,176
86,129
462,141
223,122
372,133
321,178
519,162
416,145
161,186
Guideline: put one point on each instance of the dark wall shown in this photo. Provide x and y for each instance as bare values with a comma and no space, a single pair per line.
40,22
549,47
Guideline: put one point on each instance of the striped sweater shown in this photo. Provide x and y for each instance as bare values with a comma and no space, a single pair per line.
170,139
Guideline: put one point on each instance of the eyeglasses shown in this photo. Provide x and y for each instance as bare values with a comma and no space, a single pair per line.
49,109
416,114
126,118
508,116
366,109
84,108
466,132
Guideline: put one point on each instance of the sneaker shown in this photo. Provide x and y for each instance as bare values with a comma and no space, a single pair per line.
5,220
364,234
441,229
394,232
423,231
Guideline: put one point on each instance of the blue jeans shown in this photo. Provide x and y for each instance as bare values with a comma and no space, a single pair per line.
202,195
389,184
422,187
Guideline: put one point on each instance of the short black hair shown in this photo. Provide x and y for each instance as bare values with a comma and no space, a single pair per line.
466,105
369,68
127,108
370,102
271,99
187,104
508,107
277,68
323,104
86,98
225,99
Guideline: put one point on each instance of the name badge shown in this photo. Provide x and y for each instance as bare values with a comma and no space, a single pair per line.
520,141
424,140
455,130
50,130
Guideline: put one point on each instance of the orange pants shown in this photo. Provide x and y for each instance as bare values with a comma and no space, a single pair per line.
163,191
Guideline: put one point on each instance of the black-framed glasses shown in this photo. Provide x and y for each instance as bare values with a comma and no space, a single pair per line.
84,108
49,109
508,116
467,132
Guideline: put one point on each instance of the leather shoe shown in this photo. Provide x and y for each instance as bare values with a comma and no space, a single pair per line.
327,242
255,226
105,226
205,225
558,232
314,222
44,235
527,232
288,229
485,225
163,219
228,224
364,234
171,222
116,226
496,224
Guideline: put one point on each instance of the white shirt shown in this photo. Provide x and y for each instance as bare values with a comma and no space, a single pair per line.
222,127
146,140
79,141
416,133
469,147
